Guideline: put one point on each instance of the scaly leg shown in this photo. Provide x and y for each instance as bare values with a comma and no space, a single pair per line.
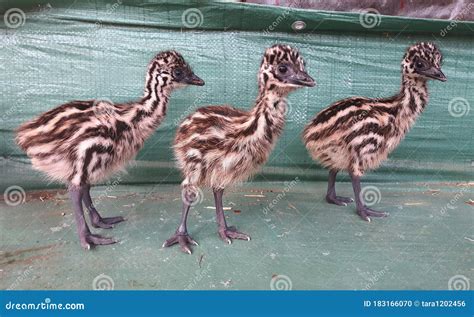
86,238
331,194
364,211
181,235
226,233
96,220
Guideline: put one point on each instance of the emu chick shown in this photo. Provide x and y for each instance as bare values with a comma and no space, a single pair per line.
357,134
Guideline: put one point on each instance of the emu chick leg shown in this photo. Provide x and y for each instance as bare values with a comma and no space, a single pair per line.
181,235
86,238
96,220
226,233
364,211
331,194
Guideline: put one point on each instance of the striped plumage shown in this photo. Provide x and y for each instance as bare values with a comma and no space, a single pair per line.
217,146
83,142
357,134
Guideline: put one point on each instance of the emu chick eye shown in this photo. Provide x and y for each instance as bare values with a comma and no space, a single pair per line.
419,64
282,69
178,73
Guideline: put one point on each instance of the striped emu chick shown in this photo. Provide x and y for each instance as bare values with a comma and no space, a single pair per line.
357,134
83,142
217,146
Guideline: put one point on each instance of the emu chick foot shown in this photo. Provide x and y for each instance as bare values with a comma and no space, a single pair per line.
229,233
183,239
106,223
339,200
89,240
366,212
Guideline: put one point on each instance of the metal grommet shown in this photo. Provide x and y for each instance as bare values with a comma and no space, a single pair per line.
298,25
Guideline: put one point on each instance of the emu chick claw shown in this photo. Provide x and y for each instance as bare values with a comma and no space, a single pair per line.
229,233
184,240
90,240
366,212
339,200
107,223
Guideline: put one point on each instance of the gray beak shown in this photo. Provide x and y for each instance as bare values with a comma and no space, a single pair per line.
194,80
303,79
434,73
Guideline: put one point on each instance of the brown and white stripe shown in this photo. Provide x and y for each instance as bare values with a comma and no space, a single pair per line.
356,134
83,142
217,146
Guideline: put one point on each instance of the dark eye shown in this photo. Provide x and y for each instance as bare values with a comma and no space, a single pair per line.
178,73
282,69
419,64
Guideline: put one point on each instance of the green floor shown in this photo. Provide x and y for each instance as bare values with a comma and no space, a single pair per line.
301,240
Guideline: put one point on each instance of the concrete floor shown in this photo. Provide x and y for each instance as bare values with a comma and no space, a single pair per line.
301,240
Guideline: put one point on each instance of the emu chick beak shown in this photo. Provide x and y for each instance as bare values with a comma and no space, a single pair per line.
303,79
194,80
435,73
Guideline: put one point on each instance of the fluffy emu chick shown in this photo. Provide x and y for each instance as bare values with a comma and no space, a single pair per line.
83,142
356,134
217,146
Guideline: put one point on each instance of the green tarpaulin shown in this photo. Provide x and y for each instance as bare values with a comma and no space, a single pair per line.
58,51
68,50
